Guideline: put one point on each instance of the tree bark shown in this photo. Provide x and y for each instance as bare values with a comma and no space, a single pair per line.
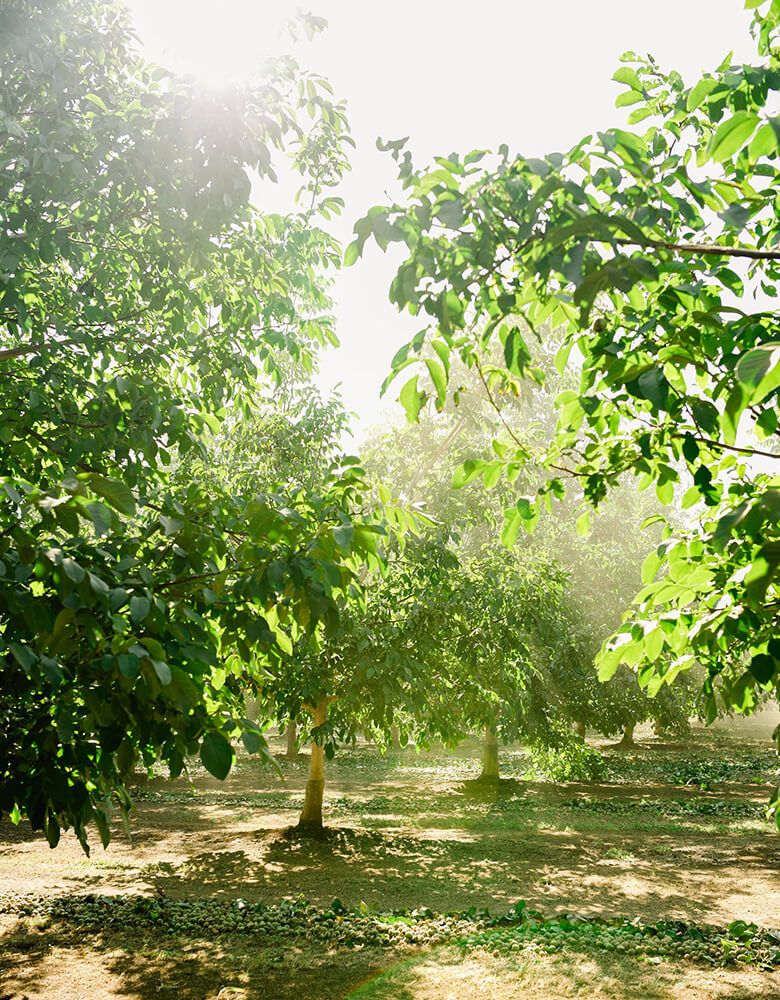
311,814
395,736
291,735
628,737
489,756
579,729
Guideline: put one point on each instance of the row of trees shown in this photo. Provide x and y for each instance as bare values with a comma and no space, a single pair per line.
178,526
452,633
145,303
653,250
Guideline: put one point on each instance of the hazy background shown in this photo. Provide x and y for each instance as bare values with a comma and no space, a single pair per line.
451,77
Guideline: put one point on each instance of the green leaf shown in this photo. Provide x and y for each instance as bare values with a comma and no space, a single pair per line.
343,536
639,115
665,492
763,143
654,643
439,379
52,830
451,213
412,399
763,667
163,671
52,670
512,524
697,94
607,662
759,370
654,387
492,473
528,512
139,608
443,350
23,655
650,567
352,252
72,570
170,525
116,493
101,517
562,356
98,585
627,98
216,754
252,741
284,642
732,135
627,75
516,353
767,423
97,101
732,413
467,472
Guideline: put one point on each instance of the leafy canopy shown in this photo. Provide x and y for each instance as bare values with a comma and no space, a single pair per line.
141,298
654,249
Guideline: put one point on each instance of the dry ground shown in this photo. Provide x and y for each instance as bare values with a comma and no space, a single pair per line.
240,971
448,975
411,834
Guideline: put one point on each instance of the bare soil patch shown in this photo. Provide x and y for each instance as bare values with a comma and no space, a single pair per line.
448,975
406,834
402,839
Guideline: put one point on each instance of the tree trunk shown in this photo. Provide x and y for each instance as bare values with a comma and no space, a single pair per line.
395,736
311,814
489,756
628,737
291,734
579,729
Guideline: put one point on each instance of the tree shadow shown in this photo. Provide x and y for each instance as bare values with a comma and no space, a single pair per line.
453,869
491,789
52,962
11,835
141,963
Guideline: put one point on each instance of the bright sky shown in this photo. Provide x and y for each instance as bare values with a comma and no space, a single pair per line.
452,76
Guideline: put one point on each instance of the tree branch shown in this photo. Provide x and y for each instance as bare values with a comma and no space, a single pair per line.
731,447
706,249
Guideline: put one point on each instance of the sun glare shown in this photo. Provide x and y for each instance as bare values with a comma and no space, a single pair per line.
219,43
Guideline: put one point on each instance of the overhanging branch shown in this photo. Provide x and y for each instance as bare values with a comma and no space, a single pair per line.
706,249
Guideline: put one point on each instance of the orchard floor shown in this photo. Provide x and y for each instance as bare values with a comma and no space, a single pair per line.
676,833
